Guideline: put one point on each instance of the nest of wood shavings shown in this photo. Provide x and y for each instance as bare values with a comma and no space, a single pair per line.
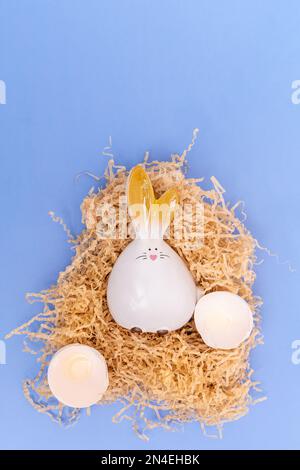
158,380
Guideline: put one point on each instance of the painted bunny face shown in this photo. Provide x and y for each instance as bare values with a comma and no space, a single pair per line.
154,252
150,288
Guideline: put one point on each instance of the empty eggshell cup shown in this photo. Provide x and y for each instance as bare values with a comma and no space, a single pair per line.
223,319
78,375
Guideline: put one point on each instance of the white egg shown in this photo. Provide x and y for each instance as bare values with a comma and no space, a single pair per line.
78,376
150,288
224,320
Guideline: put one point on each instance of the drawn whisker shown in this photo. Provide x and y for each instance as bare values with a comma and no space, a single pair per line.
141,256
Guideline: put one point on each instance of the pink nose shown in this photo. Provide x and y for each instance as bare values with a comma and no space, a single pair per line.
153,257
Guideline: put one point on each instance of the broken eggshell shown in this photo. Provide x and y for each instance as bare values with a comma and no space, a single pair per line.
78,376
223,319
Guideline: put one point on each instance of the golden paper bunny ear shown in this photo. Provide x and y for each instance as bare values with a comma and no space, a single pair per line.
163,211
140,190
151,217
140,196
171,198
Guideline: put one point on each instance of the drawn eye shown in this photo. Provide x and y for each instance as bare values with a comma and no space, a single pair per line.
156,249
149,249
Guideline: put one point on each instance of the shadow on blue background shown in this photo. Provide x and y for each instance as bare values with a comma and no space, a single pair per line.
147,73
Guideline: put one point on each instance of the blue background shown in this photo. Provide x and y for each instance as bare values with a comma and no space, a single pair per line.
147,73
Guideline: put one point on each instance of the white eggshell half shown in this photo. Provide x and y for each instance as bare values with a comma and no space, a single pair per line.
224,320
78,376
